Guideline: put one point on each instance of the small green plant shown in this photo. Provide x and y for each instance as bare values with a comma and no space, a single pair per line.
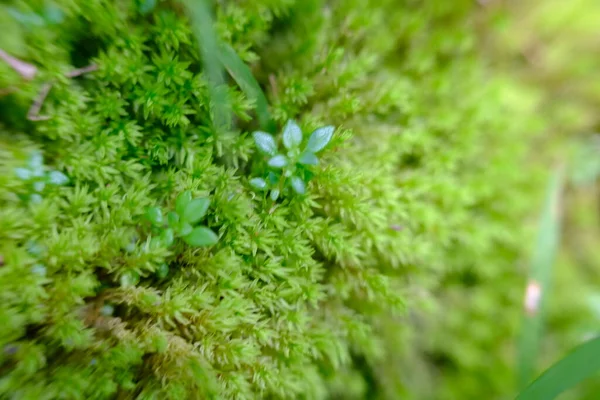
580,364
180,223
37,177
291,171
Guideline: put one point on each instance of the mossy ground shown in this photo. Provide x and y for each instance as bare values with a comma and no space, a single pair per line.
398,273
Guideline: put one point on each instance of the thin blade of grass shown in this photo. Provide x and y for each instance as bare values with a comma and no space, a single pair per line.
202,26
539,279
241,73
582,363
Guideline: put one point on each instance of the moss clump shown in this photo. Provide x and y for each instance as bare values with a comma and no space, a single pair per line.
414,209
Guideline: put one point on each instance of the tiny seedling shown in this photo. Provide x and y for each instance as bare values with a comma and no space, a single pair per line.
182,223
37,178
291,171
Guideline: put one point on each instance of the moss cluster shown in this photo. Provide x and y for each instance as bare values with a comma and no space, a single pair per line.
399,259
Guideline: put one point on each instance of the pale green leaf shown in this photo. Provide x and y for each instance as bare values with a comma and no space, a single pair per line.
201,236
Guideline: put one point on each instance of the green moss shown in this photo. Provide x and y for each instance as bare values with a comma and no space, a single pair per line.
397,272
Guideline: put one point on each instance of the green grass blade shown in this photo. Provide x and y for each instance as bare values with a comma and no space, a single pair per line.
539,279
581,363
240,72
202,26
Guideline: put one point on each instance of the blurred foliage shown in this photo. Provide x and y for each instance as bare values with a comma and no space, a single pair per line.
552,46
399,275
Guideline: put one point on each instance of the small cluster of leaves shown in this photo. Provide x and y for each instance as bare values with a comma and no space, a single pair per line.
179,223
37,177
36,251
289,172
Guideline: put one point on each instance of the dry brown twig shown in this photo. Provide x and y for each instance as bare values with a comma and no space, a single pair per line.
28,72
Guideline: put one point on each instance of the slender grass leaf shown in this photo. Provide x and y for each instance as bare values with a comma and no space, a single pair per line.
202,27
582,363
539,279
241,73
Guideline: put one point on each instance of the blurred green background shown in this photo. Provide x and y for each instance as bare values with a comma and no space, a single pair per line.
550,51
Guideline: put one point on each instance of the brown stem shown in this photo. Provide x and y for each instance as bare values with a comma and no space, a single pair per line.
34,110
81,71
27,71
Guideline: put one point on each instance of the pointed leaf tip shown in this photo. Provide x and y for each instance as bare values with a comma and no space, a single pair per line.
258,183
182,201
298,185
279,161
265,143
319,139
201,236
195,210
154,215
292,135
274,194
308,158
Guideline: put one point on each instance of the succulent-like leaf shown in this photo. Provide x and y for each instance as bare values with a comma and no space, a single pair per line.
182,201
23,173
279,161
39,269
36,160
154,215
272,178
38,186
195,210
167,237
274,194
298,185
201,236
57,178
173,219
265,143
258,183
292,135
35,199
319,139
185,229
308,158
